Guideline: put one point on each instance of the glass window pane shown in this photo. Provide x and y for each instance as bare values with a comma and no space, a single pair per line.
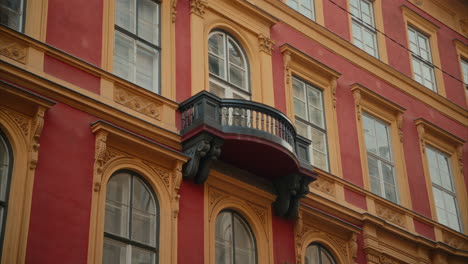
223,253
216,66
114,252
245,256
318,140
144,227
140,256
383,141
217,90
148,21
370,134
237,76
465,71
124,57
4,163
319,160
125,14
235,56
223,229
147,67
216,44
302,129
299,89
242,234
116,219
142,197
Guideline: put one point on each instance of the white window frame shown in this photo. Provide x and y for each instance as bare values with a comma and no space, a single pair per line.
231,90
299,6
359,24
380,160
144,45
464,68
452,193
310,125
21,15
419,62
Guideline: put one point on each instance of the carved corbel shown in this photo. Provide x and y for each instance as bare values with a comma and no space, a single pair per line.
174,10
290,189
198,7
176,181
99,155
460,158
287,66
266,44
353,247
202,150
333,84
400,126
357,102
299,228
422,134
38,125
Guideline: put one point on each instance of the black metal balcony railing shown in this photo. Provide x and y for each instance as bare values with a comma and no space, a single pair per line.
245,118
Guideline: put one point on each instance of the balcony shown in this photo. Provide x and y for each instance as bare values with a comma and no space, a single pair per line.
251,136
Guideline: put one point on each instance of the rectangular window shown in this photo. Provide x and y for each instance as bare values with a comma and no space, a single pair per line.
423,67
137,49
380,160
443,188
363,26
465,73
310,121
305,7
12,14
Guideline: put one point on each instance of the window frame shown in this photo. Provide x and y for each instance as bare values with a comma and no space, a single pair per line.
391,162
311,125
226,84
129,241
324,78
364,26
10,165
392,114
425,27
234,213
320,248
452,146
462,55
136,40
23,17
299,3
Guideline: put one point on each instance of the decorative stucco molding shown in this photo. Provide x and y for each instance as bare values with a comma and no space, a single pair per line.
198,7
12,49
138,103
174,10
324,186
390,215
38,125
266,44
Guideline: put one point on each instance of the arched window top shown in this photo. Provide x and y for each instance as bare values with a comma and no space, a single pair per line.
131,221
6,160
228,66
235,242
317,254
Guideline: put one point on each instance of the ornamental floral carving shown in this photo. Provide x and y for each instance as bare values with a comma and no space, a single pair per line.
390,215
138,103
266,44
453,241
198,7
259,211
287,66
38,125
173,10
13,50
324,186
20,120
357,102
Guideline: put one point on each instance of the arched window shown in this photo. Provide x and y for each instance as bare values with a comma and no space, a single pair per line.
235,243
6,161
131,221
229,71
318,254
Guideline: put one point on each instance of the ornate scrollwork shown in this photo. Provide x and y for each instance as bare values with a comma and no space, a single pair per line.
202,150
324,186
266,44
357,102
13,50
137,103
99,158
390,215
174,10
198,7
290,189
38,125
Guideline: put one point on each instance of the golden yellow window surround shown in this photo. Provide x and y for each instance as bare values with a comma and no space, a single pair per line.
167,39
224,192
21,120
452,146
379,26
314,225
462,54
118,149
323,77
368,101
414,20
253,34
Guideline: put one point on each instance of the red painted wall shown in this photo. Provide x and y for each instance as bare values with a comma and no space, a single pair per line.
75,27
183,51
283,240
61,202
71,74
336,17
191,224
355,198
424,229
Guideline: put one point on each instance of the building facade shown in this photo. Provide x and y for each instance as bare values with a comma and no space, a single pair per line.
233,131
